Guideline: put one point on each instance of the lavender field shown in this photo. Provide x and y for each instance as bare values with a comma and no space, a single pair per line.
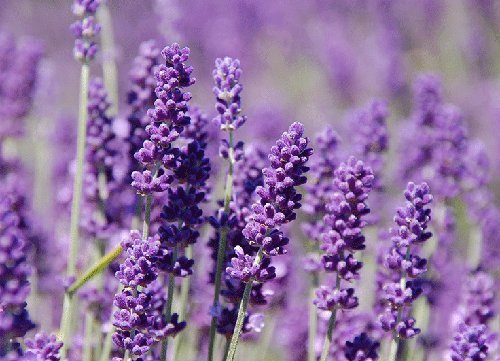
187,180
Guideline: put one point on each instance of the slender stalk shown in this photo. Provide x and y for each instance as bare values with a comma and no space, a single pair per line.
96,269
226,350
241,312
109,69
183,305
168,305
66,321
396,338
87,347
228,194
313,319
331,325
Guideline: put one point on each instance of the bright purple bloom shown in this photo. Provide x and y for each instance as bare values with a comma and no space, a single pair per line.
227,90
279,199
412,220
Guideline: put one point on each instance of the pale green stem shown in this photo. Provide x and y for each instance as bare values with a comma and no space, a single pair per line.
87,347
98,342
228,194
168,305
109,69
313,319
226,350
96,269
396,338
331,325
183,305
242,311
67,320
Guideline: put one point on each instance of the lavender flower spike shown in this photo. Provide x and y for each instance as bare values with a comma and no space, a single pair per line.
227,75
412,221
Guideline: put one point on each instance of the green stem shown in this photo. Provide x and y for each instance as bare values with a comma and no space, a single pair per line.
221,252
76,205
242,311
168,305
87,347
226,350
396,338
313,319
331,325
96,269
183,305
109,69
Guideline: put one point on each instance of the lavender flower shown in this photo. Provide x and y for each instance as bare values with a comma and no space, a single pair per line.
139,323
85,30
362,348
169,116
227,90
412,221
43,348
353,181
14,268
19,63
470,343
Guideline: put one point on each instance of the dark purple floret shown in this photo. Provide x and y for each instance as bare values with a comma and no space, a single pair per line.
227,90
362,348
329,299
43,347
347,267
161,329
469,343
183,206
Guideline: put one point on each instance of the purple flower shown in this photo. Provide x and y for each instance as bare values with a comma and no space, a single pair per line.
469,343
329,299
362,348
85,30
399,294
171,103
227,90
43,348
279,199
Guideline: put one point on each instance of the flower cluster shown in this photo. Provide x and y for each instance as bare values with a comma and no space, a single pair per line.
138,321
168,118
412,221
353,181
43,347
18,78
227,90
85,30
